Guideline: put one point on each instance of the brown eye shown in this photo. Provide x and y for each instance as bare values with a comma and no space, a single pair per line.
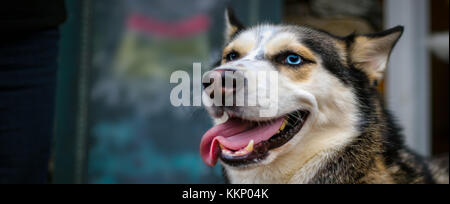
232,56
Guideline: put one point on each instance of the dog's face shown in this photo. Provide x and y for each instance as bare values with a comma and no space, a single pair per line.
316,105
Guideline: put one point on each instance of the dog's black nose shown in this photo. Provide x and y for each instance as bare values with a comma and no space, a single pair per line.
208,84
228,83
222,73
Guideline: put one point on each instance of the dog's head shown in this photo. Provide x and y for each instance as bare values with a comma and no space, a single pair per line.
317,104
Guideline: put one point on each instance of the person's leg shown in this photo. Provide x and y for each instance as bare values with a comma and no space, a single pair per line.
28,69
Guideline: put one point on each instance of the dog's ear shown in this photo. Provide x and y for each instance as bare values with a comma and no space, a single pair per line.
371,52
233,25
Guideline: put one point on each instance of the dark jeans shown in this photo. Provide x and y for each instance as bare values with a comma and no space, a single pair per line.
28,68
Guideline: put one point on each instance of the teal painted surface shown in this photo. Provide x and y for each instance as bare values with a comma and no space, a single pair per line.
66,108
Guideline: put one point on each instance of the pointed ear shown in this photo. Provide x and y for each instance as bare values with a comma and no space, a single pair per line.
371,52
233,25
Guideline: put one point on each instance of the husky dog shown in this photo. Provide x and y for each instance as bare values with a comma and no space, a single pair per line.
331,124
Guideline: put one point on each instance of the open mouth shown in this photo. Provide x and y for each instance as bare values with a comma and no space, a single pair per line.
240,142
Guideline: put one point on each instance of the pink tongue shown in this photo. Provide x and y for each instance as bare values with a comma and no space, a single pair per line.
234,135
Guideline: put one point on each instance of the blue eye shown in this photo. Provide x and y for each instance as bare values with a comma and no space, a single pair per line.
293,59
232,56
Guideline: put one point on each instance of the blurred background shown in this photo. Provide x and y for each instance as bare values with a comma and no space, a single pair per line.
114,120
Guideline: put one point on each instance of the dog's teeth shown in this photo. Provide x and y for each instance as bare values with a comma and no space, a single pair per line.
250,147
227,152
240,153
283,125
